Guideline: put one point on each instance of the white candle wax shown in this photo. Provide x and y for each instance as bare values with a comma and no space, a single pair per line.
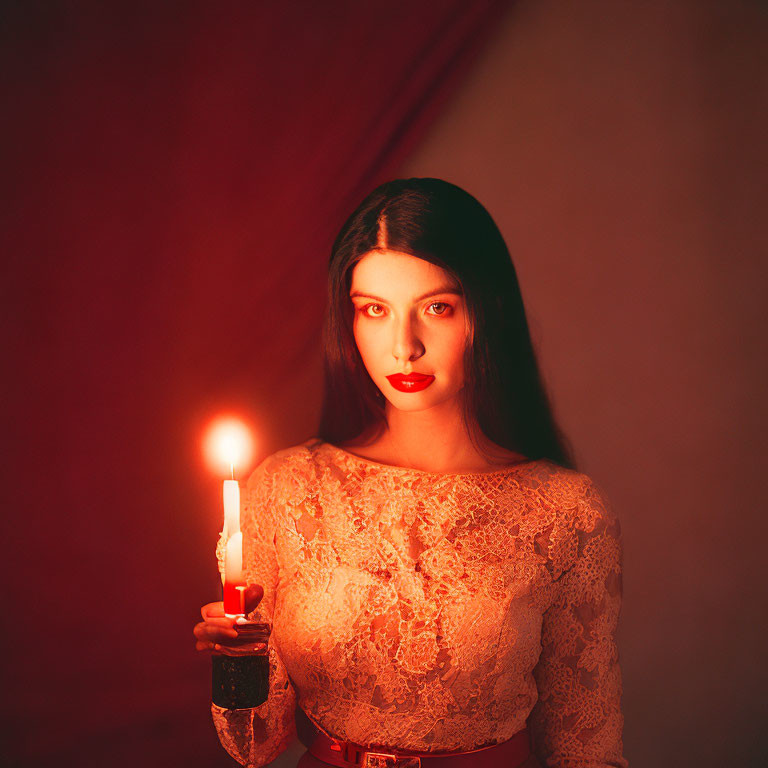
231,507
233,560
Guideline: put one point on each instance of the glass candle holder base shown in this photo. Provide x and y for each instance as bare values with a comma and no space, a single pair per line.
240,673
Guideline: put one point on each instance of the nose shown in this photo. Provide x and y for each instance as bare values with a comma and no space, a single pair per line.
407,345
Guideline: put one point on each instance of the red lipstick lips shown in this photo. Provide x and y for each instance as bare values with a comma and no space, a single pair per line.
413,382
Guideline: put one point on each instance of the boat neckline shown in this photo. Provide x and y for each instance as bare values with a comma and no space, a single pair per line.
364,460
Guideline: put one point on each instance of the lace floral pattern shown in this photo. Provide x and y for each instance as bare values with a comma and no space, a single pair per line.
433,612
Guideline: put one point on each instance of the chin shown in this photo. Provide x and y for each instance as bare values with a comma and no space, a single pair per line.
410,407
412,402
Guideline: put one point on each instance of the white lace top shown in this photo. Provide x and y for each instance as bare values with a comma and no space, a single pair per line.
431,611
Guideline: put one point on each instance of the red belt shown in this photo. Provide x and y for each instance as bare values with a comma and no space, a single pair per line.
346,754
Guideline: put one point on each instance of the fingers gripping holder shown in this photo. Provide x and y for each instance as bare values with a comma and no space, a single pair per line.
240,673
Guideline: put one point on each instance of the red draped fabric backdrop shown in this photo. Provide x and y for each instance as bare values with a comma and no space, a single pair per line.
175,174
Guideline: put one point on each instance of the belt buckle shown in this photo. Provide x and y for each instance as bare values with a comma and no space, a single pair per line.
387,760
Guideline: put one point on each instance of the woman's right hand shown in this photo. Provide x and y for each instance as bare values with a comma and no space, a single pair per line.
216,629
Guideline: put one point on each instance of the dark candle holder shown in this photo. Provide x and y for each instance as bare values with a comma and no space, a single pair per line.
240,672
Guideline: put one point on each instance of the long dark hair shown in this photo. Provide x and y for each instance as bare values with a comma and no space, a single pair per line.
504,395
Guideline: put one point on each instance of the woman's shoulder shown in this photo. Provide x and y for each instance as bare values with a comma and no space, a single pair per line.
286,468
291,456
578,497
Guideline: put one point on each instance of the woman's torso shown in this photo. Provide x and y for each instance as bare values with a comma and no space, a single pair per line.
409,603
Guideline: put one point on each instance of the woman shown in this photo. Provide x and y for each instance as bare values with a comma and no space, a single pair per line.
443,585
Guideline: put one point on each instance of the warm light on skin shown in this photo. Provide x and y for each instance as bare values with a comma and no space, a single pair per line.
227,445
408,318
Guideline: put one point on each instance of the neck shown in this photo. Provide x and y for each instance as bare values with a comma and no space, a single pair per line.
435,440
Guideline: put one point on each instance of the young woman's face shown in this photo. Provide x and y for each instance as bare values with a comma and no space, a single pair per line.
410,320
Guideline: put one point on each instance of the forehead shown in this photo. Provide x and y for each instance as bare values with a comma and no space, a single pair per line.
398,274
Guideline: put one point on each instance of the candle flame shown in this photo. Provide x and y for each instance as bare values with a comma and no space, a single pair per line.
228,443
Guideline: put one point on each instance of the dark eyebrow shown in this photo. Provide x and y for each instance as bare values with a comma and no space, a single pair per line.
453,290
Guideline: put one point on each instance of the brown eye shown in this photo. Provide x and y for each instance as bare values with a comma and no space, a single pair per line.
442,307
373,310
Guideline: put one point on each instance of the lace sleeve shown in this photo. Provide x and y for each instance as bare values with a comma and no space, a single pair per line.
577,720
255,737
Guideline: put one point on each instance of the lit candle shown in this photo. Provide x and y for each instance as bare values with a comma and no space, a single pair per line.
229,442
